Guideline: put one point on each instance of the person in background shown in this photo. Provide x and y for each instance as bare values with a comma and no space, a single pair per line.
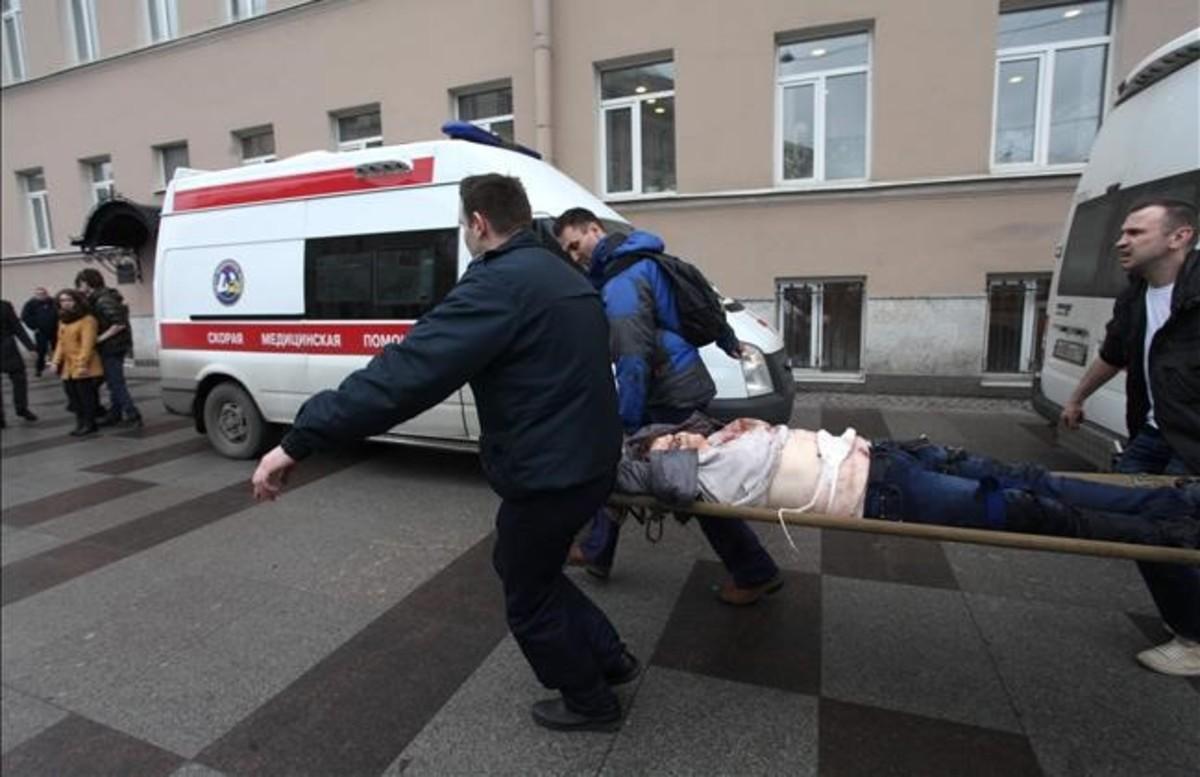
12,363
660,379
115,342
76,359
1154,335
40,314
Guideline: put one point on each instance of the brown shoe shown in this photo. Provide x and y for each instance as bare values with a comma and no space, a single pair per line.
575,557
729,593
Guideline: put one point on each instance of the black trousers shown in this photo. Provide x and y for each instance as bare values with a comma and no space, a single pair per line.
84,394
20,390
565,637
45,345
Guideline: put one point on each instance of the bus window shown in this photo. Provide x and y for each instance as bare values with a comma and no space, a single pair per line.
397,275
1089,266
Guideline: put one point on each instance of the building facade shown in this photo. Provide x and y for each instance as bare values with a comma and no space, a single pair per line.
885,181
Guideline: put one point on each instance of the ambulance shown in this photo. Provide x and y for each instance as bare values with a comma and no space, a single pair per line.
276,281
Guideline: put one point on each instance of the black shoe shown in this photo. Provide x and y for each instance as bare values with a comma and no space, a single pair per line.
132,422
554,714
110,419
28,415
628,671
84,431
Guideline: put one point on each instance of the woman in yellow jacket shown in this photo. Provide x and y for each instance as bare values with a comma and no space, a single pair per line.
76,359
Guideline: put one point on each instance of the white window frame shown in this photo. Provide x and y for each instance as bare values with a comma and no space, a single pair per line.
634,102
14,60
166,13
238,10
107,185
486,122
161,161
374,141
90,35
241,136
1046,54
816,334
817,79
1025,361
34,198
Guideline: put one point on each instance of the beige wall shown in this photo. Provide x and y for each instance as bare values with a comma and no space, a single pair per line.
289,70
931,99
943,240
1145,25
725,82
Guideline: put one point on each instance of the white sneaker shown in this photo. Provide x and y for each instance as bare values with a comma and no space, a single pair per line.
1180,657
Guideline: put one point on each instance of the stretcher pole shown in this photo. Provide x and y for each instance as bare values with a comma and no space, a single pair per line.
1052,544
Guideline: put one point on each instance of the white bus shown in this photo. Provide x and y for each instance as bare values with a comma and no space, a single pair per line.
1148,146
275,281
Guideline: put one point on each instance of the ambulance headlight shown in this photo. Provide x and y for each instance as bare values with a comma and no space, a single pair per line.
756,371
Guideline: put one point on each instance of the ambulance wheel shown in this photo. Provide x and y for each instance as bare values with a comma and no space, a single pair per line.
235,427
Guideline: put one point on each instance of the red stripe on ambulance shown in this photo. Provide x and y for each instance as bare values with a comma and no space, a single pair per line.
290,187
308,338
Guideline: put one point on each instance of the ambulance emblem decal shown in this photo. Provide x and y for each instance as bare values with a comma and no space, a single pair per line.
227,282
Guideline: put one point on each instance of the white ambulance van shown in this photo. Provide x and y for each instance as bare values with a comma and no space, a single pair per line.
275,281
1148,146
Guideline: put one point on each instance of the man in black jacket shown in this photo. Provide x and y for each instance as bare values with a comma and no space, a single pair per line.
530,335
1154,335
11,362
40,314
114,342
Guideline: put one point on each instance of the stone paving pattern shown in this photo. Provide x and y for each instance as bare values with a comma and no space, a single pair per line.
156,622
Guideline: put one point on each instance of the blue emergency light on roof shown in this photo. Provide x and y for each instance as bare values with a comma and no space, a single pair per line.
465,130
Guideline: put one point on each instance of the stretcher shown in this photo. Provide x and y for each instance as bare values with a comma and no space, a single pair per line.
647,510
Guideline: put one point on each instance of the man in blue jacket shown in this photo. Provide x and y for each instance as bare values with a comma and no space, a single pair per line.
529,335
661,379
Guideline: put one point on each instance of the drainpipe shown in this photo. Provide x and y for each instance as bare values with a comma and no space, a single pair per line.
542,114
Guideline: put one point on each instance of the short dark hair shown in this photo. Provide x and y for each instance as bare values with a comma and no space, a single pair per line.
1177,213
500,198
575,217
91,277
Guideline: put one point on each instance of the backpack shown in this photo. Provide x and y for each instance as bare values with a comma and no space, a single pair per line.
701,314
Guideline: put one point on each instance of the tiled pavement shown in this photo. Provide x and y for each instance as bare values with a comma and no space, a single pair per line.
155,622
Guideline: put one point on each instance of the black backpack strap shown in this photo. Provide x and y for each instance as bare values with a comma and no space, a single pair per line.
618,266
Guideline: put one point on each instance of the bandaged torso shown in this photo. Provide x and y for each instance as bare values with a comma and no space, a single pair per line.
780,467
820,473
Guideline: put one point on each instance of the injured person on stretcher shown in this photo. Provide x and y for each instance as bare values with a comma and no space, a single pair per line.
750,463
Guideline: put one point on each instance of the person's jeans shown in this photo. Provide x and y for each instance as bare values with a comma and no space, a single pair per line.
926,483
1174,587
114,376
566,638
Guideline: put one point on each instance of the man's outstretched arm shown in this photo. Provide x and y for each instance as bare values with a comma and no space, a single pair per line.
1099,373
455,340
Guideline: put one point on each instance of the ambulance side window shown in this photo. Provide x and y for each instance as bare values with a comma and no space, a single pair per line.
395,275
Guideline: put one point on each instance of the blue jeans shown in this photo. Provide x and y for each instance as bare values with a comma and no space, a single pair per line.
565,637
926,483
1174,587
734,542
114,376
